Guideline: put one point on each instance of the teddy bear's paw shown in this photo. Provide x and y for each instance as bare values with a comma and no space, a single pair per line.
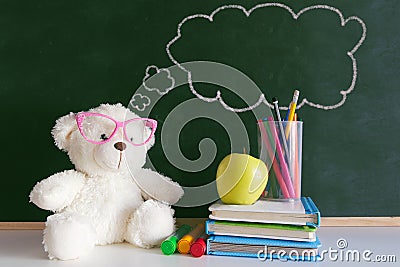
68,236
57,191
150,224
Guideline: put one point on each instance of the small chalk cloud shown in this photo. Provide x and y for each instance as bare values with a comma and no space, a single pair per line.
247,13
161,81
139,102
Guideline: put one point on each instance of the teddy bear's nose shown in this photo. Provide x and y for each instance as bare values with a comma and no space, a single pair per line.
121,146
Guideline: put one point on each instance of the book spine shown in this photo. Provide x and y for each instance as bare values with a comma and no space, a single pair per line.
207,225
210,238
311,208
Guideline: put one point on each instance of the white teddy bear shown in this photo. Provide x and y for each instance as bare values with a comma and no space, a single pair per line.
100,203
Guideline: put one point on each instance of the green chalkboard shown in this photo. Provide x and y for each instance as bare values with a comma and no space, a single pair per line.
62,56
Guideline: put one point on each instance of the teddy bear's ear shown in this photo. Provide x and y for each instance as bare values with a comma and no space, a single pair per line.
63,129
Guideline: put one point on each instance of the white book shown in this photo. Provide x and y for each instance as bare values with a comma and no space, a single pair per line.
297,212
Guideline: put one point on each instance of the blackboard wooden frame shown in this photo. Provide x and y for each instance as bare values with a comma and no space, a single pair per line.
325,222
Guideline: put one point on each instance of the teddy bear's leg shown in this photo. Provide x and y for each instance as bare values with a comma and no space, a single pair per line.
150,224
68,236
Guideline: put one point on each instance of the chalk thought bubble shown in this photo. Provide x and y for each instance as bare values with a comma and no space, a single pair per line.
247,14
163,83
139,101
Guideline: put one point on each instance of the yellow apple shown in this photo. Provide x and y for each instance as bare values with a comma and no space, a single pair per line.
241,179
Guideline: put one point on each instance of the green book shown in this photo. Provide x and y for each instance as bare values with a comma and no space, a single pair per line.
262,230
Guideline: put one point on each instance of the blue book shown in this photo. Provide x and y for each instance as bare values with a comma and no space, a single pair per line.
263,248
301,211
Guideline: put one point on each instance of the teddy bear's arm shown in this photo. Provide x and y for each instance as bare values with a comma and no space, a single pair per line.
158,187
57,191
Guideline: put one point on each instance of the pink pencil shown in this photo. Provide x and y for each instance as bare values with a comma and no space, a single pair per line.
275,165
285,169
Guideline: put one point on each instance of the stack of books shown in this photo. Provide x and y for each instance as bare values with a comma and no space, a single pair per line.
268,229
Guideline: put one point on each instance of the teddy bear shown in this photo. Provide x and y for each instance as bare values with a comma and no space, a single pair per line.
100,201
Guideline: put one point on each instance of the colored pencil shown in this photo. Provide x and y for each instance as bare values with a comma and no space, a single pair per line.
275,165
283,164
291,112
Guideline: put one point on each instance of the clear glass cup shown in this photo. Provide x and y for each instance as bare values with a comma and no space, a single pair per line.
280,147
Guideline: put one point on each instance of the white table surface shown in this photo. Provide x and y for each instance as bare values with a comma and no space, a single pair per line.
24,248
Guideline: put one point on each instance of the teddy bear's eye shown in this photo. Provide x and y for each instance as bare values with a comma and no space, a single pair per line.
103,137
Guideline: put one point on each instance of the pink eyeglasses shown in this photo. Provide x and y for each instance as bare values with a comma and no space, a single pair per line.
98,128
